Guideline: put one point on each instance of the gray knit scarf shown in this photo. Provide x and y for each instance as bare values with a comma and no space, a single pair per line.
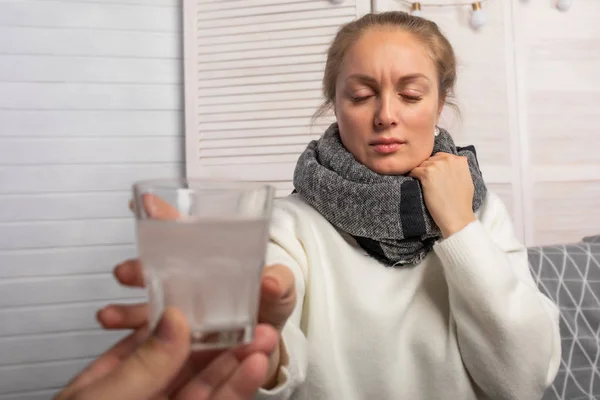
385,214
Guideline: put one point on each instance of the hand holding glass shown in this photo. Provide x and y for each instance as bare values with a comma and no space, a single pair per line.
202,247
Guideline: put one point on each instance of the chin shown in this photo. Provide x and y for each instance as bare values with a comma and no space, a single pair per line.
388,168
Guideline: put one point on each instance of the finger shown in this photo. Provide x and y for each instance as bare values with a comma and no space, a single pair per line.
105,363
429,163
151,367
265,341
278,282
210,378
197,361
443,154
246,379
123,316
228,378
417,173
157,208
129,273
278,296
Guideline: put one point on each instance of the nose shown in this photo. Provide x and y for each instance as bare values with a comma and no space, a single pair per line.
385,116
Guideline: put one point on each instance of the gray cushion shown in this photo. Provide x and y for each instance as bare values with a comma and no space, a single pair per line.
591,239
570,276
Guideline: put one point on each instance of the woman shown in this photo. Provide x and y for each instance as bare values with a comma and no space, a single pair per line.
394,273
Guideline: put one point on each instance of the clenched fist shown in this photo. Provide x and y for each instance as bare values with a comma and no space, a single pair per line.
448,191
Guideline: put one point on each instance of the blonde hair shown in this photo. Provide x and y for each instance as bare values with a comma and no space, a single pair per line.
426,31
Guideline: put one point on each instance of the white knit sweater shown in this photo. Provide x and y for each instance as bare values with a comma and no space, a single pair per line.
467,323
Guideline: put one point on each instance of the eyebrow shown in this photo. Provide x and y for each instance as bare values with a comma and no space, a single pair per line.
369,79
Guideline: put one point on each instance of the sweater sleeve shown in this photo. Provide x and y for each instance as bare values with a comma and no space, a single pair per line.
286,249
508,331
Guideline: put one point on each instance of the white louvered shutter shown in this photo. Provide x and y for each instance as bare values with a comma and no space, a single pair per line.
253,72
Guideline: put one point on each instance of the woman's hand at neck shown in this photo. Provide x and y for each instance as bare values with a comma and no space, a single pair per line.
448,191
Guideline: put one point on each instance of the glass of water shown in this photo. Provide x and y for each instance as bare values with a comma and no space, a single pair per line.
202,246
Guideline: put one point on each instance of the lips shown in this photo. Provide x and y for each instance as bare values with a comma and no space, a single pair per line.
387,145
386,141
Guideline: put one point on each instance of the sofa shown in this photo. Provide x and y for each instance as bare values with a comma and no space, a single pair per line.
570,275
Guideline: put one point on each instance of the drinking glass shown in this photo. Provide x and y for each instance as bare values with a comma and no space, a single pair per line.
202,250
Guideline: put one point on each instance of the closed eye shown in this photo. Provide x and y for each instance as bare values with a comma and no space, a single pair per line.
411,99
360,99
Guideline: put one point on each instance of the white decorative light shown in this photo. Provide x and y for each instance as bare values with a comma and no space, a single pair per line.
415,9
478,17
478,14
563,5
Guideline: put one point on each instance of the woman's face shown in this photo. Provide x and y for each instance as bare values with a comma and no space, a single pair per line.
387,102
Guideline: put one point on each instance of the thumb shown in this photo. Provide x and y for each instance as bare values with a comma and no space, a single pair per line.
153,365
278,295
